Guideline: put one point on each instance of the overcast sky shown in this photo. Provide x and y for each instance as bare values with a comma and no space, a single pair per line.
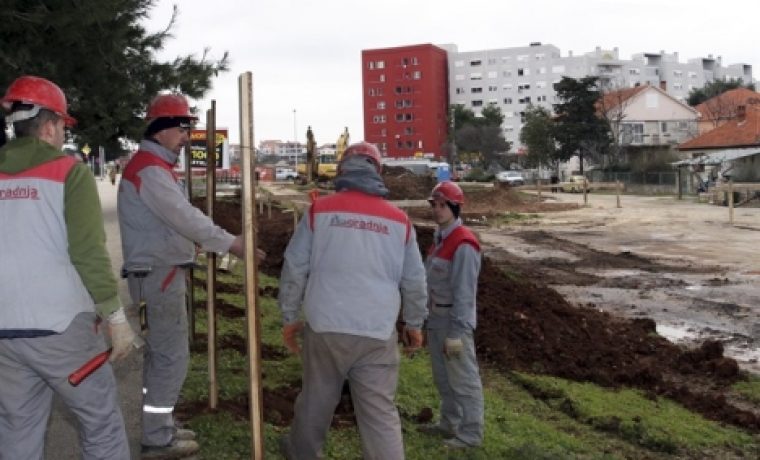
305,55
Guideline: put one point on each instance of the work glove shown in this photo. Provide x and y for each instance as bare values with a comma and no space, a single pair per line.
412,338
452,348
290,335
123,338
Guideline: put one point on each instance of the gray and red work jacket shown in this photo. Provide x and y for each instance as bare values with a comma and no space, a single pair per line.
453,266
353,261
158,223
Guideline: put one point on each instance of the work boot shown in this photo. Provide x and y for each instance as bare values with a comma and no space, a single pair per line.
434,429
178,448
456,443
182,434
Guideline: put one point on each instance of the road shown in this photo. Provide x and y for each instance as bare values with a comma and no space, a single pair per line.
697,278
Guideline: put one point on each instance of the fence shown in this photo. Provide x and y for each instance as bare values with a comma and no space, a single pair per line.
640,182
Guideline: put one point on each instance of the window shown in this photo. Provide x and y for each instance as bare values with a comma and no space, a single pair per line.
493,74
409,130
408,117
632,133
458,63
399,117
507,86
524,100
506,73
382,77
523,57
398,90
663,127
409,144
378,119
381,105
541,98
415,61
520,72
477,103
678,73
507,100
493,89
476,76
540,56
416,75
380,64
558,69
383,132
371,65
491,61
372,91
540,84
458,77
523,87
542,70
505,59
404,62
460,90
692,74
475,63
476,90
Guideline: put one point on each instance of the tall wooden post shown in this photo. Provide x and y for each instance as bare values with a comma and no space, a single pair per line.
619,190
247,152
680,185
585,192
189,279
731,201
213,386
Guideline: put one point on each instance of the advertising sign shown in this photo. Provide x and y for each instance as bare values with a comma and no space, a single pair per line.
198,146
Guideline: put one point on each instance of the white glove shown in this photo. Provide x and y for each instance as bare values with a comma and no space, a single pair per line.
123,338
452,348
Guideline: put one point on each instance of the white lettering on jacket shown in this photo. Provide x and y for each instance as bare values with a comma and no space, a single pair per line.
21,192
359,224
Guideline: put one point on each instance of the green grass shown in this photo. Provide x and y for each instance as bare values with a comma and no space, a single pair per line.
527,416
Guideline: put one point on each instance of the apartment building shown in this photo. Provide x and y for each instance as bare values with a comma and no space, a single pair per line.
514,77
405,100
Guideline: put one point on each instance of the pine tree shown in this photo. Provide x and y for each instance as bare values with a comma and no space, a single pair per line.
100,54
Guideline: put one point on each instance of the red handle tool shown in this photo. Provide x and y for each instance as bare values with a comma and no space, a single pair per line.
76,377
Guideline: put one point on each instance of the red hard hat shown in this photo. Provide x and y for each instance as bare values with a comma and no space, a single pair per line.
449,191
365,149
38,91
168,106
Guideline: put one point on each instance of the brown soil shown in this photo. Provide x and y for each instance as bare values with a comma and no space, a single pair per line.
525,325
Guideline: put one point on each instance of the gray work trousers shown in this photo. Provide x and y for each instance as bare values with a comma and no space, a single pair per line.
458,383
167,352
33,369
371,368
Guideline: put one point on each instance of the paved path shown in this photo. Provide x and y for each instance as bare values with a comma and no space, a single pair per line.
62,440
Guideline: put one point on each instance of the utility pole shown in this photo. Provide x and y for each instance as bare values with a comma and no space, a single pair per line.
295,138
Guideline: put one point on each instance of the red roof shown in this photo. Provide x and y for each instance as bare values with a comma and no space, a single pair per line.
738,132
610,100
723,106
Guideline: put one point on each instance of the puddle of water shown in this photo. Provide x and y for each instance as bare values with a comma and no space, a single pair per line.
693,288
612,273
674,333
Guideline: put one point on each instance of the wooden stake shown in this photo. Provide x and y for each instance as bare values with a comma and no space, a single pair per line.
731,201
189,276
619,189
585,192
213,386
538,185
245,86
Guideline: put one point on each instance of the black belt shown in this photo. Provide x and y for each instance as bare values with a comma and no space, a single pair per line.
443,305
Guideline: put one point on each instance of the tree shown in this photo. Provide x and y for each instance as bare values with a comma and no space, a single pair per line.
103,59
715,88
612,107
537,135
481,134
578,129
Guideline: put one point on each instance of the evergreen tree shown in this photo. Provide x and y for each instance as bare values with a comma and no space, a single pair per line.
104,60
537,135
481,134
715,88
578,129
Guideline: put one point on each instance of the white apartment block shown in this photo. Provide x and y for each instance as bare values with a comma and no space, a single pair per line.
512,78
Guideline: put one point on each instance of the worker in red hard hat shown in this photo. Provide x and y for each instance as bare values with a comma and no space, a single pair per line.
352,263
453,266
159,233
57,284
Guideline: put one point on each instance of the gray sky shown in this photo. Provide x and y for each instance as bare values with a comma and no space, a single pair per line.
306,55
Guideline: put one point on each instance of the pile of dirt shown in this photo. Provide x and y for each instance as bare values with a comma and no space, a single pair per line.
405,185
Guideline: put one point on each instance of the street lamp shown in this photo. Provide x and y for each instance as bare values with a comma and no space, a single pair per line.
295,138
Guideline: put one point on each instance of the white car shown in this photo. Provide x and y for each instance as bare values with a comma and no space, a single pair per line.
510,177
285,174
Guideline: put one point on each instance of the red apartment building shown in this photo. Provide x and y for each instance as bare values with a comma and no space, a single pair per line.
405,94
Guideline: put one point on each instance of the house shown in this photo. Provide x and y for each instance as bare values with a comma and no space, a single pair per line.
647,116
718,110
730,150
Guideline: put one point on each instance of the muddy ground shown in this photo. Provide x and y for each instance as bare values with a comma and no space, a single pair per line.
527,323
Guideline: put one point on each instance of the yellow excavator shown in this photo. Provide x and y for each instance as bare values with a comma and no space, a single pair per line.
325,165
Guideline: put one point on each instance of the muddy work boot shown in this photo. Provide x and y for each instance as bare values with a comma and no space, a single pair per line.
433,429
178,448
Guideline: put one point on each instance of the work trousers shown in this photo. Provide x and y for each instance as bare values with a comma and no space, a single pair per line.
371,368
460,388
33,369
167,352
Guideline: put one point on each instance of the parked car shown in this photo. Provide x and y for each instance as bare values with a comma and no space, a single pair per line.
574,184
510,177
285,174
